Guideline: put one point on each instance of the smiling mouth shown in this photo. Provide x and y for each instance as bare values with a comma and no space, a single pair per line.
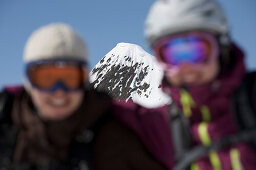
58,102
190,79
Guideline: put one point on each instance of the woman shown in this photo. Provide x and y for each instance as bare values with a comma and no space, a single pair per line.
203,68
57,121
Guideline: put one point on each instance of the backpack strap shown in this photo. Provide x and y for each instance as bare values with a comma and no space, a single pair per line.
179,128
6,101
5,107
251,84
201,150
244,106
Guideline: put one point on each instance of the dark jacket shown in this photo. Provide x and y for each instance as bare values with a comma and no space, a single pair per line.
91,137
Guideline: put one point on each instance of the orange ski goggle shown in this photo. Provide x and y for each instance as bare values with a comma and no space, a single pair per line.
50,76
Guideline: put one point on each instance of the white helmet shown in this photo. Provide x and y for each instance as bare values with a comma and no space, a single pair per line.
172,16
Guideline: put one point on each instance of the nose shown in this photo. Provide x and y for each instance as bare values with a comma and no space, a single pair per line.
186,67
59,92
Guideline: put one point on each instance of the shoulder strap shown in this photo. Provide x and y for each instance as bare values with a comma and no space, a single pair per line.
244,102
179,128
199,151
250,80
6,100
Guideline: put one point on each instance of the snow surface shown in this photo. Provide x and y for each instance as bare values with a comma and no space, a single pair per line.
129,72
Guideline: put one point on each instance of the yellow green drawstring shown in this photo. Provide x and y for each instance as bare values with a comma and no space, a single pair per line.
187,102
235,159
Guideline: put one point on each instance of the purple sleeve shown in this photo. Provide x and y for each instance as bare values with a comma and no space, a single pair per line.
151,125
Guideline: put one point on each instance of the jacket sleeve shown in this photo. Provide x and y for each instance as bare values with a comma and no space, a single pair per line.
119,148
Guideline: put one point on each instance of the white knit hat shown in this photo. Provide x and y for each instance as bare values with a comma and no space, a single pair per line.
53,41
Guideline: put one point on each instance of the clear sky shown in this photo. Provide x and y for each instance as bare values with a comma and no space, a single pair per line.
102,24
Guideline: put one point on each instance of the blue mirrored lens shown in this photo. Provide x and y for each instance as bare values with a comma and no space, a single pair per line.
190,49
59,85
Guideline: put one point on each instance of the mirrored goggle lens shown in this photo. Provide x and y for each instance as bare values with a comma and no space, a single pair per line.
192,48
45,77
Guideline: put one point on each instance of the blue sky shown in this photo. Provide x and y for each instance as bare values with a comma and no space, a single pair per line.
102,24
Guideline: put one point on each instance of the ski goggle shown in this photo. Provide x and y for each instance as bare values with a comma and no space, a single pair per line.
50,76
194,47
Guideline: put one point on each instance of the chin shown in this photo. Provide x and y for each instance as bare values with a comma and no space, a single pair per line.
193,83
58,117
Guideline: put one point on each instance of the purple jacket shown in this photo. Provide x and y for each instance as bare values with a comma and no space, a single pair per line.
152,125
209,110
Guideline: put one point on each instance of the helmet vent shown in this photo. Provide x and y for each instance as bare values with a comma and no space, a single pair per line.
208,13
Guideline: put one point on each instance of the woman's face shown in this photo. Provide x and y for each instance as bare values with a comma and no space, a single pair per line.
57,88
56,105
